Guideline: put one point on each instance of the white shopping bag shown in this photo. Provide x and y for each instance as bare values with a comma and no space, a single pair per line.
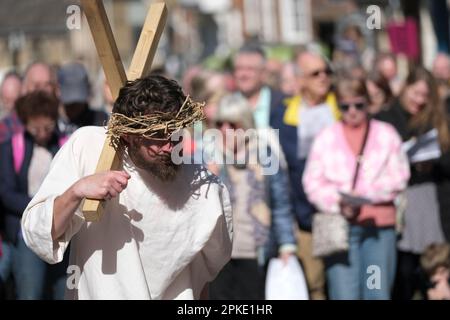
285,282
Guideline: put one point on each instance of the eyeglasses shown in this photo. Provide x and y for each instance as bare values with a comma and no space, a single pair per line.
154,142
314,74
41,129
346,106
219,124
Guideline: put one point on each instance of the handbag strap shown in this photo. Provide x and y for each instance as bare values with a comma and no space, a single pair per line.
360,154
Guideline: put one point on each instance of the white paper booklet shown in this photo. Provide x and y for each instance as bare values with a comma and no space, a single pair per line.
423,148
354,200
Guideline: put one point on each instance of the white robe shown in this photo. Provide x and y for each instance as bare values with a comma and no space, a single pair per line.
155,241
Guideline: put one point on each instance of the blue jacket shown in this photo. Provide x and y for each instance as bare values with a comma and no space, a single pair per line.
14,187
282,226
285,118
282,219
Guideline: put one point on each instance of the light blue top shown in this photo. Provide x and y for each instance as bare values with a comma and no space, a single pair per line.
262,110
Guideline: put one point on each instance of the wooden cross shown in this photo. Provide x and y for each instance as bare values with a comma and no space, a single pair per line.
115,73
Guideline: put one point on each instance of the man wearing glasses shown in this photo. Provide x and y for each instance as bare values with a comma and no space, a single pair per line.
299,120
250,74
166,228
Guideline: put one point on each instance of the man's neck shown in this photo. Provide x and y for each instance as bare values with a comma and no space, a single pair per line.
253,97
313,100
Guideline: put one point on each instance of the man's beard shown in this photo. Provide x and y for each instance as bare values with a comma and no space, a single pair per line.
161,167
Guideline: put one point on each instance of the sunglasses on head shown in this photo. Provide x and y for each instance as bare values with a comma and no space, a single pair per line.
317,73
346,106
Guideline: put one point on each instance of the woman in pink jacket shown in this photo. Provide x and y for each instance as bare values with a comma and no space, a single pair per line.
367,270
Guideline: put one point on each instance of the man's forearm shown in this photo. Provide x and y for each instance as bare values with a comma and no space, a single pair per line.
63,210
100,186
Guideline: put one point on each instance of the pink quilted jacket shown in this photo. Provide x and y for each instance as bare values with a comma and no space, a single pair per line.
384,171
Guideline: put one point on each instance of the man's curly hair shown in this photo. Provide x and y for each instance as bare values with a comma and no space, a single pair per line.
148,95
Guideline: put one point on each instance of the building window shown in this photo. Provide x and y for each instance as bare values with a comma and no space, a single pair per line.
269,21
295,18
252,15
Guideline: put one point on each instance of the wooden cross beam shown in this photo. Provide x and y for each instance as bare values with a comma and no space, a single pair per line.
115,73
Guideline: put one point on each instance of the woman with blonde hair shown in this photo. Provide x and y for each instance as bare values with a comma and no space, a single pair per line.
263,223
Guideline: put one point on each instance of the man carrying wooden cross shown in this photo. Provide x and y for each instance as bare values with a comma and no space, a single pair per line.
166,229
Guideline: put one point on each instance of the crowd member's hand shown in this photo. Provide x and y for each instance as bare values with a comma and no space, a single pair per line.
284,256
348,211
102,186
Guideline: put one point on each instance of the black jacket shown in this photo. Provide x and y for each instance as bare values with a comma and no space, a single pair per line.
436,171
398,117
14,187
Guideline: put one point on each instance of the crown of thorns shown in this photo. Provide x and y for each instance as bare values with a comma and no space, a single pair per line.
156,124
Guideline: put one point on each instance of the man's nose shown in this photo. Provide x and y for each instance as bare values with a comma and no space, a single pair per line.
167,147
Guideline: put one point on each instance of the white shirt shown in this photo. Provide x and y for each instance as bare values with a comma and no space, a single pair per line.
155,241
39,167
313,120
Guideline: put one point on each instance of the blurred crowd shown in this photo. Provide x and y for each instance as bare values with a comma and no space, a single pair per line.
40,108
349,124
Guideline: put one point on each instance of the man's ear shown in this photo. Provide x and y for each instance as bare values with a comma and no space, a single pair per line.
127,138
300,82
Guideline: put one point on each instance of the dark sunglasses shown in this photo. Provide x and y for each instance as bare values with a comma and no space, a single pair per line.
233,126
346,106
317,73
432,284
160,137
